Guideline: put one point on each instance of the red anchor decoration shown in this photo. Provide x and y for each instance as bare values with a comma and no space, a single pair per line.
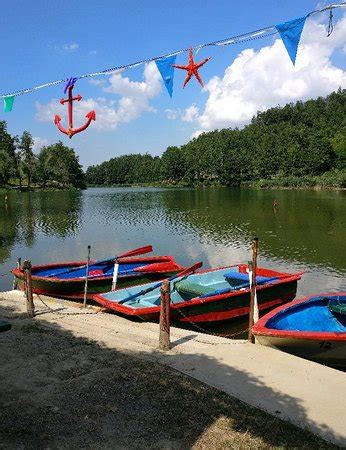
70,131
192,69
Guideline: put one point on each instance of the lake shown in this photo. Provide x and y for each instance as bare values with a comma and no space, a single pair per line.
216,225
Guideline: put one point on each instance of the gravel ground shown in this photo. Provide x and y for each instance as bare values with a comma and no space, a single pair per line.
59,391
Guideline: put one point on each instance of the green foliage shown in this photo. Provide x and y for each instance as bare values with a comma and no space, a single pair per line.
173,164
126,169
301,144
28,159
56,165
59,164
294,145
332,179
6,167
7,154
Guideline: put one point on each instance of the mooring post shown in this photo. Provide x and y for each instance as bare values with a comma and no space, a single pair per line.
165,316
15,281
30,308
86,278
253,269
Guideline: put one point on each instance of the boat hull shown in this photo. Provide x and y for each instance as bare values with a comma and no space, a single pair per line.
297,329
73,288
324,351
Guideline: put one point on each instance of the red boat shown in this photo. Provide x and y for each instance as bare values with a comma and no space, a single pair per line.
313,327
209,296
67,280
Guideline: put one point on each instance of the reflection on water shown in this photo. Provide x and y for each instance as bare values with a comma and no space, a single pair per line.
305,231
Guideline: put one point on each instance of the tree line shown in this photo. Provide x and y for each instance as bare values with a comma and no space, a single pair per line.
54,166
305,140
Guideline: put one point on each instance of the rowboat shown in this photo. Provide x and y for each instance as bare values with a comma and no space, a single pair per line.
67,280
313,327
213,295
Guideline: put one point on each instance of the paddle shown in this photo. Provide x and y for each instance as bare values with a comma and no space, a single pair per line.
137,251
184,273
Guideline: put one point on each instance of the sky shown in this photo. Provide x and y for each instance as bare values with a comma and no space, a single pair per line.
44,41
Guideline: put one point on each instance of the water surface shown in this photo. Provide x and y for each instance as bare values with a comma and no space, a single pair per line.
305,232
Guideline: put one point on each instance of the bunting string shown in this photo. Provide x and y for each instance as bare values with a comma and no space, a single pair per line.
250,36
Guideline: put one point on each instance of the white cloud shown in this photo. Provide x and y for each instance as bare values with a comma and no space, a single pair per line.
39,143
70,47
172,114
134,99
190,114
258,80
187,115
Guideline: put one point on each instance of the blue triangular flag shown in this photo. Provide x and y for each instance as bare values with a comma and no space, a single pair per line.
8,103
166,69
290,33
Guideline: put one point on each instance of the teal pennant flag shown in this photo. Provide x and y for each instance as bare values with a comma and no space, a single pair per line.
166,69
8,103
290,33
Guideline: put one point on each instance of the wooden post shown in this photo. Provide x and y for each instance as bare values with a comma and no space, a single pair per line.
15,281
86,278
253,288
165,316
28,289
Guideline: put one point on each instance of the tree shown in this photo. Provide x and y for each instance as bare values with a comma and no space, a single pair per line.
7,154
59,164
297,140
173,164
28,160
6,166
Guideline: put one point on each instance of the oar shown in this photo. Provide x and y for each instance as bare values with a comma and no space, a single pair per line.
184,273
137,251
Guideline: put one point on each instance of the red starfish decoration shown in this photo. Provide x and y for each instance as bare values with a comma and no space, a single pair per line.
192,69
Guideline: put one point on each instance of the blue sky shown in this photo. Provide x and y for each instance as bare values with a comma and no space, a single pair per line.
43,41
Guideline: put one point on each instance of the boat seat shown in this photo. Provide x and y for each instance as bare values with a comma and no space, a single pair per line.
237,279
338,308
192,289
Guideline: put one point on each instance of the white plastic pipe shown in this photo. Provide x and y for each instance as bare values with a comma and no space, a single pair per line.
115,276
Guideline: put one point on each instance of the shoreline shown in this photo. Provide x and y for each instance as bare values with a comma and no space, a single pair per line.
242,186
98,369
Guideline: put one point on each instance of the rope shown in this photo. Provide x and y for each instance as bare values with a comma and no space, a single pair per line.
250,36
205,331
56,311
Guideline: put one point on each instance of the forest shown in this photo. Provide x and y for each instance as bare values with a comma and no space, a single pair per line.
300,144
55,166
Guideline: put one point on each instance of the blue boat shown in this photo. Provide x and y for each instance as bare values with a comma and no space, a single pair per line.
313,328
